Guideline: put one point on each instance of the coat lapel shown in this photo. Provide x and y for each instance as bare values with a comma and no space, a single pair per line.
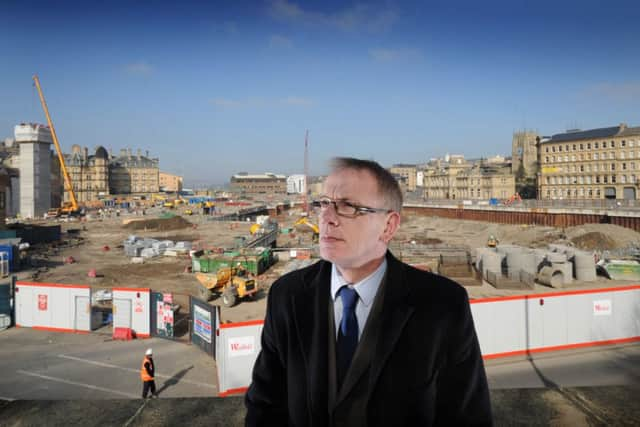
311,308
396,311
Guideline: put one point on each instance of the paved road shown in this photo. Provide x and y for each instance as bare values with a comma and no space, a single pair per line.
596,366
48,365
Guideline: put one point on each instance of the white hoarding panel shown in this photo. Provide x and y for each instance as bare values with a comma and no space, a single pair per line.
137,309
560,320
52,306
237,347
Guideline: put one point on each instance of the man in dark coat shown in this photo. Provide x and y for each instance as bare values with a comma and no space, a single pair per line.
360,338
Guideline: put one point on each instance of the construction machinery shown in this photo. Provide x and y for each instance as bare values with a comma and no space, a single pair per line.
511,200
232,283
306,222
71,207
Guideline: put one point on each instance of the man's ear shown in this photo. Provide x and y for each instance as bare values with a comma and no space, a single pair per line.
391,226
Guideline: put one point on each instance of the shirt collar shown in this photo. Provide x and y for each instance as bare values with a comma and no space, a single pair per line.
366,288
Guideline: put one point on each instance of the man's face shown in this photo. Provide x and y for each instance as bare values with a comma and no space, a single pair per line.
352,242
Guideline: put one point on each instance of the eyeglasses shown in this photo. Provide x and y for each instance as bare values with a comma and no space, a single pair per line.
344,208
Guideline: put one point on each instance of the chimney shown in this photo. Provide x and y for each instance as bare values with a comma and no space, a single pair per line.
86,153
147,154
623,126
139,153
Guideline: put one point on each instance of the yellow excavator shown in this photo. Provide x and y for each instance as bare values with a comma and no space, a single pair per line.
305,221
71,207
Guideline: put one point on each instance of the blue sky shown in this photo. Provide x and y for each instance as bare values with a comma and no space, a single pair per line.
214,88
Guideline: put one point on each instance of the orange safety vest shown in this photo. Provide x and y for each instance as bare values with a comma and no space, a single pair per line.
143,372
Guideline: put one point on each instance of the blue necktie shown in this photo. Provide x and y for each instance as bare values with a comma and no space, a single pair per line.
348,334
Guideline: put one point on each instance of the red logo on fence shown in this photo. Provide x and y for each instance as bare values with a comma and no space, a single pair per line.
42,302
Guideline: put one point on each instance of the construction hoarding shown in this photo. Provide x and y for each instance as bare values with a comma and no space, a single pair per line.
509,326
132,309
50,306
238,345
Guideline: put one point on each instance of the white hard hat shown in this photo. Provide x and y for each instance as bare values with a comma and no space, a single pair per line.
149,352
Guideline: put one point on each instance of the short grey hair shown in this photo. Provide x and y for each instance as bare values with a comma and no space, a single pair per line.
388,186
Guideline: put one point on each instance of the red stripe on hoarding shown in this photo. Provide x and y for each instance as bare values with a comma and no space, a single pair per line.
238,324
50,329
231,391
555,294
132,289
52,285
561,347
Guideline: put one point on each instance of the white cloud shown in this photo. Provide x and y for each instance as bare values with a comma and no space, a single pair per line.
139,68
280,42
388,55
615,92
360,17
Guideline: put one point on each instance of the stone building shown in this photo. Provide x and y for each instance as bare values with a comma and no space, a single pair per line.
169,182
133,174
89,173
408,172
267,183
524,152
459,179
594,164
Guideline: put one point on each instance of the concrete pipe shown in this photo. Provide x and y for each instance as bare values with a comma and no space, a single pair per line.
567,271
555,257
551,277
491,261
514,264
529,261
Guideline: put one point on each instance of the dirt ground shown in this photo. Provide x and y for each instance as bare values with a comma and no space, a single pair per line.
98,244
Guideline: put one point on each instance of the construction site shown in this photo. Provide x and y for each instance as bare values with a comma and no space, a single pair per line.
198,269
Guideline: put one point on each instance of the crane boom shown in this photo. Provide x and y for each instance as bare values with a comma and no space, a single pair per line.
65,173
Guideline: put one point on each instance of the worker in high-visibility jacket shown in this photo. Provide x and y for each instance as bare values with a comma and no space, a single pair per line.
146,374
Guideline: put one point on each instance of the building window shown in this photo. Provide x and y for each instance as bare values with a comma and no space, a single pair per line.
581,192
613,166
623,143
612,155
553,149
595,145
624,166
595,156
573,157
566,147
588,168
633,179
566,158
546,149
622,154
613,179
613,144
580,180
580,157
588,146
605,179
546,159
548,180
582,146
623,179
597,179
574,147
632,165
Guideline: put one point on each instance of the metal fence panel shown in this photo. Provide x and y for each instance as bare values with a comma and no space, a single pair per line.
204,320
